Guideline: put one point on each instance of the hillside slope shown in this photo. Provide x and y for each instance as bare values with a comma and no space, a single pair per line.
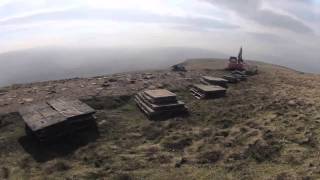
266,128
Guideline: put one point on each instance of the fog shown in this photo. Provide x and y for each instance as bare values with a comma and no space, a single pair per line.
59,63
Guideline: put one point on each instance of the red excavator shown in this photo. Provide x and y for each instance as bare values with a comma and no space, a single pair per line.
236,63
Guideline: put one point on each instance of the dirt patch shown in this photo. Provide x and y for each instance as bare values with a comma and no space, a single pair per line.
107,102
176,143
211,156
152,132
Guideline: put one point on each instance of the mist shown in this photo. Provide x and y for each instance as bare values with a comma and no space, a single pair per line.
43,64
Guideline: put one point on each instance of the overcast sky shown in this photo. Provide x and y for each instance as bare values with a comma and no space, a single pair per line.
272,29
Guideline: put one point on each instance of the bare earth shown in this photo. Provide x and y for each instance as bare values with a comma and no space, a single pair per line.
266,128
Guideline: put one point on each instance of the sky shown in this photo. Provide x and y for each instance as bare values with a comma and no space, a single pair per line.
274,30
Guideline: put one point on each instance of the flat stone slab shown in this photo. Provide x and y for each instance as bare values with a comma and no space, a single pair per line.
159,107
231,79
160,96
214,79
46,114
159,93
209,80
208,88
207,91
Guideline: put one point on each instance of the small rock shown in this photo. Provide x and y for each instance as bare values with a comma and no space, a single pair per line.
102,122
28,100
52,92
105,84
113,80
292,103
152,87
179,162
159,85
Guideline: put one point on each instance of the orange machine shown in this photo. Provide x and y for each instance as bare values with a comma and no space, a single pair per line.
236,63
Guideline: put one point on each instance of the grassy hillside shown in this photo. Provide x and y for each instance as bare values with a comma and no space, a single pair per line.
266,128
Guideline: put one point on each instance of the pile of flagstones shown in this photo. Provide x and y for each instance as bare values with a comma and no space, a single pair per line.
159,103
201,91
209,80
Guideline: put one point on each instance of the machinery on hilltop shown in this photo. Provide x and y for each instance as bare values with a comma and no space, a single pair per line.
236,63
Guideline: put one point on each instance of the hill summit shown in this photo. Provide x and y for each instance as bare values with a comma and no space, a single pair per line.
265,128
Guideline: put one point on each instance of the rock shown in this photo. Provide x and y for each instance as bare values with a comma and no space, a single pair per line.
292,103
179,162
52,92
179,68
148,76
106,84
113,80
159,85
102,122
27,100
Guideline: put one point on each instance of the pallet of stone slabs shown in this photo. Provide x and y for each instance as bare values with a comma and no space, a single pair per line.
158,102
207,91
231,79
57,131
158,115
208,80
239,72
200,95
240,77
55,117
197,94
157,99
162,107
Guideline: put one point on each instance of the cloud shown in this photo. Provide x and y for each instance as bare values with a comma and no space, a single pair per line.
120,15
268,38
254,11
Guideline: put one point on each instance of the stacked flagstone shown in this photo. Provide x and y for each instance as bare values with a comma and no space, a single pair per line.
202,91
159,103
209,80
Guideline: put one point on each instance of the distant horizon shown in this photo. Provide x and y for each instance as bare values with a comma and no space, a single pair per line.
46,64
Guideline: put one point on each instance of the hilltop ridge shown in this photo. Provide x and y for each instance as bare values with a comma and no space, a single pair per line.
266,128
